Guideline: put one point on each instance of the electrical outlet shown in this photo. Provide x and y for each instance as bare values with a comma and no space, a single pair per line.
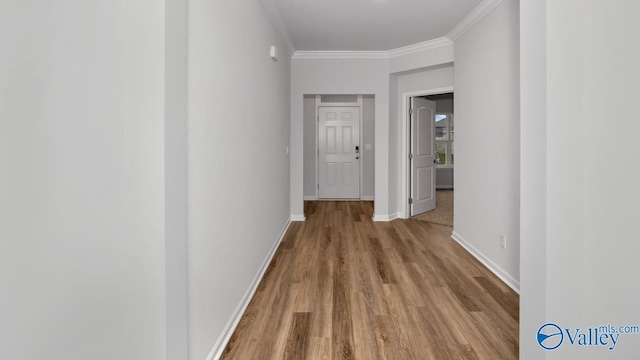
503,241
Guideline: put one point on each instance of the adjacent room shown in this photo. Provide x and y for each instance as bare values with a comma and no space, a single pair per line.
443,139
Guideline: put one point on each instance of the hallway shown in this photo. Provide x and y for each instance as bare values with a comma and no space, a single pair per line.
343,287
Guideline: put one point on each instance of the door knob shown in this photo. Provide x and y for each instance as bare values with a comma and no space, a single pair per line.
357,149
357,157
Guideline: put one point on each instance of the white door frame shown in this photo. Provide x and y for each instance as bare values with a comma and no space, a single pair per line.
319,103
405,191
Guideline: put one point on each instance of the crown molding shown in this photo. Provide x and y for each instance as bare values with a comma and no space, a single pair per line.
276,21
482,10
402,51
419,47
338,54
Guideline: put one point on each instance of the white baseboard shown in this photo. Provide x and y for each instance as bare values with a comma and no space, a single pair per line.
223,339
493,267
310,198
444,187
367,198
377,217
298,217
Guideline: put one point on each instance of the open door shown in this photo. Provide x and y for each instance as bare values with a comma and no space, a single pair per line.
422,156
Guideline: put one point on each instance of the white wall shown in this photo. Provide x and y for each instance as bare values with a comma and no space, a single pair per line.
238,171
589,267
436,77
439,51
366,156
310,157
608,29
487,140
533,172
340,76
82,204
175,175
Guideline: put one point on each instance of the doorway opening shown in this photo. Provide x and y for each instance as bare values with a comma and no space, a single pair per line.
338,147
421,180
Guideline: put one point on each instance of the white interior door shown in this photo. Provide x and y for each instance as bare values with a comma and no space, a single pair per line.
422,156
339,153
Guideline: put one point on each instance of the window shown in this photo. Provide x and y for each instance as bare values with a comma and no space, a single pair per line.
444,139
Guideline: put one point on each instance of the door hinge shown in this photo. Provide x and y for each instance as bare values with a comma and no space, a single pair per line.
410,201
410,111
410,156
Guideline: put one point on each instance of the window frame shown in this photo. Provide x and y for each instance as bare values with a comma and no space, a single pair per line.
450,131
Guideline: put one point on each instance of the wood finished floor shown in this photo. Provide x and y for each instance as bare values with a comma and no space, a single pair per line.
343,287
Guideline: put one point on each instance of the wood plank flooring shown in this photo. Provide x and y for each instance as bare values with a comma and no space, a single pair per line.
343,287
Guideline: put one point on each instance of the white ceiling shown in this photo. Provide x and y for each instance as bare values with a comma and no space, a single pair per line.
366,25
